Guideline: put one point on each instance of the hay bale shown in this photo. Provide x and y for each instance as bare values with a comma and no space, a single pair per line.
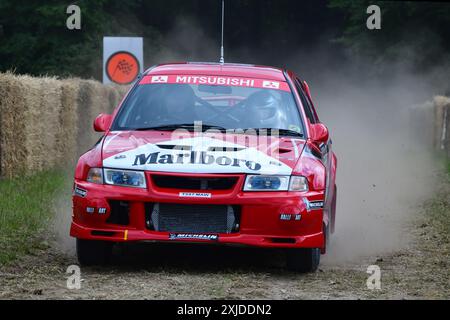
421,123
45,122
93,99
29,122
116,94
43,99
120,92
442,123
66,138
13,153
85,104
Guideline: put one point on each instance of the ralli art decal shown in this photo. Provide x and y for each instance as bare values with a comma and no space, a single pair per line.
197,155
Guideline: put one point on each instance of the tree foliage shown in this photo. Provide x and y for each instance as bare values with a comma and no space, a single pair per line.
34,38
418,32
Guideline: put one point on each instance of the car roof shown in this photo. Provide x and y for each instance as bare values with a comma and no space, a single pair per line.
226,69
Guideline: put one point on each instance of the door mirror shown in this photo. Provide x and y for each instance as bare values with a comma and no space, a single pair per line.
319,133
102,122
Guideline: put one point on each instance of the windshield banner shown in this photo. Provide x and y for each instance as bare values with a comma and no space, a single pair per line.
214,80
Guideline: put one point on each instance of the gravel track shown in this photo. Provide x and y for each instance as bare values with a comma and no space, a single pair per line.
419,271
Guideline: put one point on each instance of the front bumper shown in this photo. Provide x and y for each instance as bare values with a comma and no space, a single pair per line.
260,215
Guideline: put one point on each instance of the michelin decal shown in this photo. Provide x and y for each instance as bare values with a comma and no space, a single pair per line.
198,155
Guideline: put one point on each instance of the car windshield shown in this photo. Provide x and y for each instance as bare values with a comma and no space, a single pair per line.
169,106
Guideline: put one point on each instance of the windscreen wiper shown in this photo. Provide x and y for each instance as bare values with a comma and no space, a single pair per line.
188,126
204,127
281,132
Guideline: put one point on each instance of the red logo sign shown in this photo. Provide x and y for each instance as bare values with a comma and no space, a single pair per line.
122,67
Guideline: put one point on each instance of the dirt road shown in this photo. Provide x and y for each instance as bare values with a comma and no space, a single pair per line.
420,270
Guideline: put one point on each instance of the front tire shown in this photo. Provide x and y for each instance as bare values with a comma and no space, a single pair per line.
93,252
303,260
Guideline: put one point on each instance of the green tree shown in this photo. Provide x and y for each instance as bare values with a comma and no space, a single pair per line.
34,38
416,32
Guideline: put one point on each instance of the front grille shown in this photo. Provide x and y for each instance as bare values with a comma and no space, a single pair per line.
191,218
194,183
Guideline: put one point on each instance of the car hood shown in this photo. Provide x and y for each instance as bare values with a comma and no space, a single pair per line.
200,153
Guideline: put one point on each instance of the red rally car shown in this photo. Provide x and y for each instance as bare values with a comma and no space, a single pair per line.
207,152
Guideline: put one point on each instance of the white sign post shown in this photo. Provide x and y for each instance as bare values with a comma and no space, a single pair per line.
122,59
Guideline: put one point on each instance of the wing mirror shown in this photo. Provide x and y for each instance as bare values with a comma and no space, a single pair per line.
319,133
102,122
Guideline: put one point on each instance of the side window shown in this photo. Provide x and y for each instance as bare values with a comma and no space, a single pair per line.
305,101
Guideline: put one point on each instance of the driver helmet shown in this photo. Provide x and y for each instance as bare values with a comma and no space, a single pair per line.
179,100
265,109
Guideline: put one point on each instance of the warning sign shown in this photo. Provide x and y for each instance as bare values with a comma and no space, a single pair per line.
122,59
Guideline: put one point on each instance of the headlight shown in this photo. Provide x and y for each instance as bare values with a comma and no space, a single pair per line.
125,178
275,183
298,183
95,175
266,183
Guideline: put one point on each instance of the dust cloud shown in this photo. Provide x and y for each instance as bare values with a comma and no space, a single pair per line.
382,131
385,164
63,217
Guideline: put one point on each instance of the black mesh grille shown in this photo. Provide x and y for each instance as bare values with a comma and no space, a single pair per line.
192,218
193,183
120,211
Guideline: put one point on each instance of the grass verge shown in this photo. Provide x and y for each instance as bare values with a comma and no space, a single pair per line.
439,207
25,212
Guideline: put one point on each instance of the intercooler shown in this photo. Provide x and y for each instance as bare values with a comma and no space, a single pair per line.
192,218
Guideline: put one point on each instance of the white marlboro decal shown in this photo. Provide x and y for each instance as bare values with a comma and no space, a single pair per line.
214,80
197,155
159,79
194,194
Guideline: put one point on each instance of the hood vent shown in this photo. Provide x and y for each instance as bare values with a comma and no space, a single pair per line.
225,149
174,147
189,148
283,150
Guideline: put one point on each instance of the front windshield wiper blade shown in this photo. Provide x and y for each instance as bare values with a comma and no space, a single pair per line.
281,132
163,127
204,127
188,126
